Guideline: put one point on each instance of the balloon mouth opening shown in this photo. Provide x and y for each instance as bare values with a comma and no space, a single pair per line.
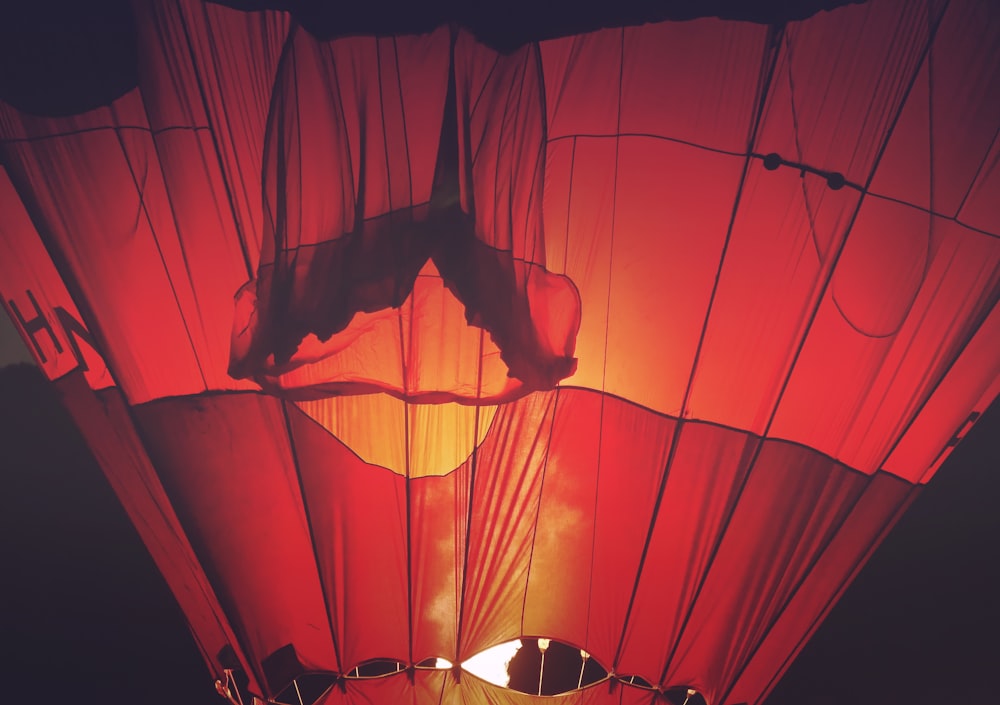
511,665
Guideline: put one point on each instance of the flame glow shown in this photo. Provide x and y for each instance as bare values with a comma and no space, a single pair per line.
491,664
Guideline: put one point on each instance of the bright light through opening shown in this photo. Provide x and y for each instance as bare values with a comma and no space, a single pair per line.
491,664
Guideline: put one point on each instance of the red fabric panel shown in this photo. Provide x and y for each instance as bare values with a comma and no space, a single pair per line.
108,428
235,57
560,497
506,480
704,477
36,299
667,238
793,504
437,562
358,516
83,188
955,404
605,463
98,179
234,485
869,521
873,366
784,236
501,130
835,115
949,120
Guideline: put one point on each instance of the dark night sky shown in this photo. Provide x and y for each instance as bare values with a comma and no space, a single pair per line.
86,613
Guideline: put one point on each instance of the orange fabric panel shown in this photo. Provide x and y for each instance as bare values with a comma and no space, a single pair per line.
437,560
505,481
667,239
414,440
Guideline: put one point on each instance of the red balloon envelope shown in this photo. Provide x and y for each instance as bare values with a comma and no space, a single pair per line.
399,347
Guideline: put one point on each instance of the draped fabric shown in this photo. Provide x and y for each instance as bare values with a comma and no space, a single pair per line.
399,347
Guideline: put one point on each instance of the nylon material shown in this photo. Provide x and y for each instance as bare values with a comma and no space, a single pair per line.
770,544
36,299
537,349
634,448
964,109
448,361
982,207
399,189
355,508
167,79
369,119
438,510
588,249
422,63
709,103
703,480
651,274
83,188
125,111
605,461
506,134
872,386
182,196
945,416
834,114
442,436
870,519
927,343
509,468
308,184
558,591
557,194
581,84
883,266
111,437
147,268
777,259
236,470
444,351
236,56
908,168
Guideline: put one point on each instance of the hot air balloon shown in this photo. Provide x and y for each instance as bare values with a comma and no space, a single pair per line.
398,342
